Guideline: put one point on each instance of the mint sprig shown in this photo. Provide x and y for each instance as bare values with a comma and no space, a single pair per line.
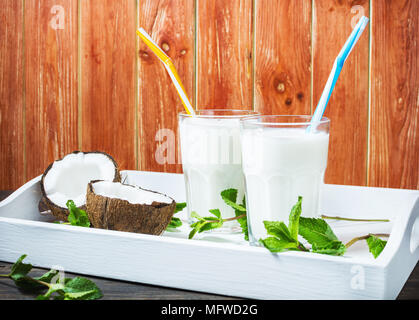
316,232
76,216
206,223
77,288
375,244
230,198
216,221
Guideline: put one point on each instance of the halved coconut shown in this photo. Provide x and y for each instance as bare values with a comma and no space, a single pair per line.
122,207
68,177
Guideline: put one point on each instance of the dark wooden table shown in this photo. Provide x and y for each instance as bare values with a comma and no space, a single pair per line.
113,289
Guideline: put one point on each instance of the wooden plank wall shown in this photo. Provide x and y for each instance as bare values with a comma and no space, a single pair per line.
51,108
73,75
12,136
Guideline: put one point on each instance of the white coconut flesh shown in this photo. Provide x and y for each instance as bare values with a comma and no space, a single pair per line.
132,194
68,178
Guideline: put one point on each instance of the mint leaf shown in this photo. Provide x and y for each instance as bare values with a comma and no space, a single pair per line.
316,231
19,274
19,269
193,232
197,216
319,234
216,213
243,220
84,295
77,288
376,245
174,223
281,239
294,219
278,229
77,217
180,206
80,288
334,248
276,245
47,277
230,196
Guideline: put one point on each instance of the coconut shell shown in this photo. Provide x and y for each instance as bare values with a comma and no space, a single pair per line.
60,212
121,215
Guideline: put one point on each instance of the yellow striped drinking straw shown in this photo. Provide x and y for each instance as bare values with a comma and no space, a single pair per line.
168,64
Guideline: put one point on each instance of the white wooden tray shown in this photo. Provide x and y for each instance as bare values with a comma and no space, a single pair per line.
226,264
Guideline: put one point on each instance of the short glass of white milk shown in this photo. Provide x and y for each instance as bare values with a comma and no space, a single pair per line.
211,161
282,159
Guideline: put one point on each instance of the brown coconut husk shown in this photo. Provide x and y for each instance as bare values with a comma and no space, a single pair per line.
121,215
60,212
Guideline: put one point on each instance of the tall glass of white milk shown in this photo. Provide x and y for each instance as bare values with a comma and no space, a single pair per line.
282,160
211,160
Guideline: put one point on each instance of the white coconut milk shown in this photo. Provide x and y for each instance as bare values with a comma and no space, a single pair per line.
211,159
279,165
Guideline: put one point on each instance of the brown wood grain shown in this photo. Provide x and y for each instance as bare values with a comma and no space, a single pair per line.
224,54
348,105
108,78
394,139
50,82
283,57
171,24
12,173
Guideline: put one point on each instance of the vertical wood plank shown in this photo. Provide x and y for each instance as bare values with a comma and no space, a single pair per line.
50,81
394,140
108,78
11,95
348,105
171,25
224,54
283,57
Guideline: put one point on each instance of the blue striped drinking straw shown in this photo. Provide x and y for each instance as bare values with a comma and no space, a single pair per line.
334,74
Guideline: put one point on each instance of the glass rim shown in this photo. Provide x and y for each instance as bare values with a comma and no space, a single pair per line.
220,114
251,120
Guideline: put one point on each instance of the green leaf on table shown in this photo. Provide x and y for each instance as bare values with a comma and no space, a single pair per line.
375,245
77,288
80,288
77,216
19,269
319,234
294,219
